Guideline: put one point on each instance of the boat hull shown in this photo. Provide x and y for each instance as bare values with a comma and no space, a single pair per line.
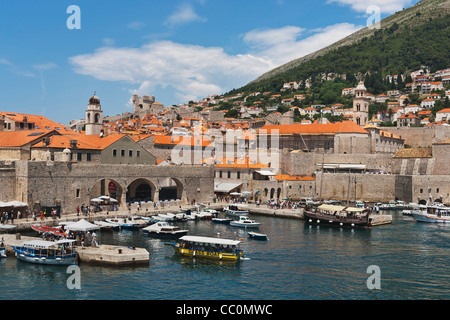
221,221
61,261
244,225
165,235
229,256
333,221
257,236
423,217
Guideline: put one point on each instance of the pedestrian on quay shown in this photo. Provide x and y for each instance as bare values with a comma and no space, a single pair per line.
78,211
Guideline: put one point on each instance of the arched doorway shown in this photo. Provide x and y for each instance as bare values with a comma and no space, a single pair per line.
170,189
106,187
141,190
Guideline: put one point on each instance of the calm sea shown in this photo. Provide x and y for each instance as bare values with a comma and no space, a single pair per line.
298,262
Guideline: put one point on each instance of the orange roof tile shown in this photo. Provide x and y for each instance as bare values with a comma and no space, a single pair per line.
328,128
282,177
90,142
22,138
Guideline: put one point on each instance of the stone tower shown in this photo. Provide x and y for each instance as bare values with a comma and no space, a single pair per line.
94,116
361,105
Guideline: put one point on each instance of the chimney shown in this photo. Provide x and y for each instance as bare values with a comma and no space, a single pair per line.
73,143
46,141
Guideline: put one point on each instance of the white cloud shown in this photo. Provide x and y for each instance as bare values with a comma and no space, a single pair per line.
5,62
386,6
195,71
135,25
183,14
45,66
281,45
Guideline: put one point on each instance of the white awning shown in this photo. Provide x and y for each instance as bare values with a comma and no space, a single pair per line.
342,166
226,186
266,173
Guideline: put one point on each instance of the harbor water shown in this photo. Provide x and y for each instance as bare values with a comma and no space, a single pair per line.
299,261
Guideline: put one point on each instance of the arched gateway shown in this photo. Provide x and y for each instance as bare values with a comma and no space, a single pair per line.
75,184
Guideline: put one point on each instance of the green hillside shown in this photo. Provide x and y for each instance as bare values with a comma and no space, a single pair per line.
406,40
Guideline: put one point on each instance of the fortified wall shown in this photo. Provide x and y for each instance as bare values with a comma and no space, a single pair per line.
72,184
420,136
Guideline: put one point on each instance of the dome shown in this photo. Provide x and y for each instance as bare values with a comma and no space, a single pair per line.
360,86
94,100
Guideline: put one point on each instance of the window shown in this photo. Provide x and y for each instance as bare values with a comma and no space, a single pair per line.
138,153
122,153
114,153
229,174
220,174
421,190
88,157
78,193
130,153
238,174
79,154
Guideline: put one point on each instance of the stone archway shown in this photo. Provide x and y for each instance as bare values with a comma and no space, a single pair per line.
170,189
141,190
106,187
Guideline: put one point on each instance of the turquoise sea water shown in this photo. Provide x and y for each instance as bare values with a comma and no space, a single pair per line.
298,262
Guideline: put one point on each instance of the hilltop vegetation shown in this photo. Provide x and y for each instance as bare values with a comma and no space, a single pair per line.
398,47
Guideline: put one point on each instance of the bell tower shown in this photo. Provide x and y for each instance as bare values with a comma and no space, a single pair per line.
94,116
361,105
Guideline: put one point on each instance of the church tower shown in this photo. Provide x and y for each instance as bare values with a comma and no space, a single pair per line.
361,105
94,116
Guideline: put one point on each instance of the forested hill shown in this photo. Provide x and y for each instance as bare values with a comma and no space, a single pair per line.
406,40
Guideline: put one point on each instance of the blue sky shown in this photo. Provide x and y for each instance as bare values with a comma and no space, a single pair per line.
175,50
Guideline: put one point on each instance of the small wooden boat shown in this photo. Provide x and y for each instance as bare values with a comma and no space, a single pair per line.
47,252
210,248
338,216
221,220
258,236
57,231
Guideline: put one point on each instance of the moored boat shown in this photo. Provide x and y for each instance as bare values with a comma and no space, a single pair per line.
47,252
433,213
245,222
128,223
221,220
208,247
338,216
2,250
236,210
258,236
164,230
57,231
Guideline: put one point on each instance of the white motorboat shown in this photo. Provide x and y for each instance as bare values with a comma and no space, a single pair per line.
236,210
164,230
167,216
433,213
414,207
127,223
245,222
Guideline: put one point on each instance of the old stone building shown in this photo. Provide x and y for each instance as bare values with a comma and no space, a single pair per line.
146,105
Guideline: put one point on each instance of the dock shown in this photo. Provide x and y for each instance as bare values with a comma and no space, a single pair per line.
113,255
